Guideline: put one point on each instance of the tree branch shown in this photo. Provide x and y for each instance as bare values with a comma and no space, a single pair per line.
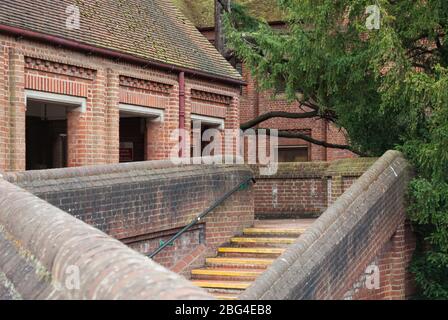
277,114
289,134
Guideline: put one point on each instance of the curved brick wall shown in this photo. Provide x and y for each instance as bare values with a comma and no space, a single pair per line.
364,224
144,203
42,248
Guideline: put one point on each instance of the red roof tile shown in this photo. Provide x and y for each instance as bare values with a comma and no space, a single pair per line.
150,29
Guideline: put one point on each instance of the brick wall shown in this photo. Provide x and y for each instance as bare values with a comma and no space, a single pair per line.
305,189
143,203
395,282
47,254
364,225
93,135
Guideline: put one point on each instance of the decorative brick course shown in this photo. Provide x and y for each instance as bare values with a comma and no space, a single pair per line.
59,68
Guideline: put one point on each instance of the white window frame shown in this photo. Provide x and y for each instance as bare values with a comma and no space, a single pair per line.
219,122
145,112
79,102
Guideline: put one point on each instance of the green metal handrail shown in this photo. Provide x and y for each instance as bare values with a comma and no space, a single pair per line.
241,186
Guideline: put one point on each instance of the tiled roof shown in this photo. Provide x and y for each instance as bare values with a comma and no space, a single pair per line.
202,14
149,29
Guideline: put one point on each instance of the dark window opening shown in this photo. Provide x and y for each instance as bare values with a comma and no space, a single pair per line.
132,139
293,154
46,136
197,139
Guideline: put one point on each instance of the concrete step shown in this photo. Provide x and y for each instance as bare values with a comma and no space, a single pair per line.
226,274
224,296
222,284
250,252
273,232
257,241
238,262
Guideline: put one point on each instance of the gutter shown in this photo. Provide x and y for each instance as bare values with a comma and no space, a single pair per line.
79,46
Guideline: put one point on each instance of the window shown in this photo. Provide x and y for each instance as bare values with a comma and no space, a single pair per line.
293,154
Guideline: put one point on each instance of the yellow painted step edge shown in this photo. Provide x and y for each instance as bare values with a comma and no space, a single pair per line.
222,285
273,231
250,250
225,297
240,261
263,240
229,273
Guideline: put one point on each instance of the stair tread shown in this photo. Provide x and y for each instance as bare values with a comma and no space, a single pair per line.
262,240
229,260
221,296
273,231
227,272
222,284
251,250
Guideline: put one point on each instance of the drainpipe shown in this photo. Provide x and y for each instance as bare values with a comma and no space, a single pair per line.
182,135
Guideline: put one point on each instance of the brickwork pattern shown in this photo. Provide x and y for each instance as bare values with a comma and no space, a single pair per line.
42,245
134,202
93,135
395,282
305,189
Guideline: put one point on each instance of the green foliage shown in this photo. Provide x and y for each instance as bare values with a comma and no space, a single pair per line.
388,88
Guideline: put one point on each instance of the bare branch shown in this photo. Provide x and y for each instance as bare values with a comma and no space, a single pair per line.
294,134
277,114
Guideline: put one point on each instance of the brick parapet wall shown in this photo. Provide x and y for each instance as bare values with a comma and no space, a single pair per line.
305,189
330,256
143,203
43,248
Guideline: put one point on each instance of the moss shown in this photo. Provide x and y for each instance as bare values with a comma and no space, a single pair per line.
347,167
201,12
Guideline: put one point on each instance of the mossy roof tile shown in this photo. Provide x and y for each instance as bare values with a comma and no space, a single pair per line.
150,29
201,12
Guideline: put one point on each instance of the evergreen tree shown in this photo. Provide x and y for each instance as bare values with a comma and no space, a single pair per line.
378,69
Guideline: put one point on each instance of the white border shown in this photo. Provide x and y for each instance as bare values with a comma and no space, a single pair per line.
57,98
209,120
143,111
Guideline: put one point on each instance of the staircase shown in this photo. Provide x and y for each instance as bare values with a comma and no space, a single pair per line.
246,257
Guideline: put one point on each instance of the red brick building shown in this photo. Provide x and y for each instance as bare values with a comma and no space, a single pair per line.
93,82
255,103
